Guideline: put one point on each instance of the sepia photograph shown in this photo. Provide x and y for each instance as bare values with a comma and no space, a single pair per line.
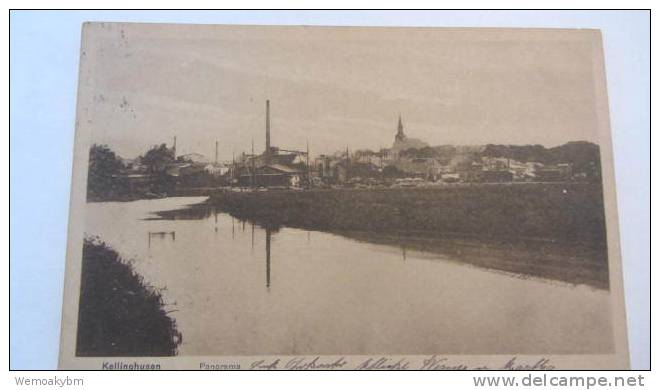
308,197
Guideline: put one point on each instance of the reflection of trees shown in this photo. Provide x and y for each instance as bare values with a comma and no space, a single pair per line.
192,212
577,263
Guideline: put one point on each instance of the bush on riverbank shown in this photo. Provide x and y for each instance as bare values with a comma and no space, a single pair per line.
118,314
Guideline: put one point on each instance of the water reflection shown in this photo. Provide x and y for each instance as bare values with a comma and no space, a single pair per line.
345,292
204,211
160,235
575,263
268,233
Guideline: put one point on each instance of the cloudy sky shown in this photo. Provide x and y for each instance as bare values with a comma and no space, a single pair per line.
335,87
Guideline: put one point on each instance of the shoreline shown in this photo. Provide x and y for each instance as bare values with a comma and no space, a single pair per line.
119,315
564,248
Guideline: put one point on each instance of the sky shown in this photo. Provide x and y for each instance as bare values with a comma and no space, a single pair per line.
334,88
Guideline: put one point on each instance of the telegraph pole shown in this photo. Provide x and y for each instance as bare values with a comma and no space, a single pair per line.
253,172
267,155
233,164
348,163
309,176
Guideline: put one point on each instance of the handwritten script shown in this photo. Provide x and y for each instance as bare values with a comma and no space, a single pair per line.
433,362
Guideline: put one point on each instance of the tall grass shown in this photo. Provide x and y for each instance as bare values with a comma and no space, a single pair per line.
119,315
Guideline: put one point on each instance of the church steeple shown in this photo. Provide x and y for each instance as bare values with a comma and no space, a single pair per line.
400,136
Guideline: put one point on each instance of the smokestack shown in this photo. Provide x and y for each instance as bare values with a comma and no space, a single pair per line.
216,152
267,131
174,149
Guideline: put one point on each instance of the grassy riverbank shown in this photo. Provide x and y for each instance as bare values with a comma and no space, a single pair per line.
118,314
545,211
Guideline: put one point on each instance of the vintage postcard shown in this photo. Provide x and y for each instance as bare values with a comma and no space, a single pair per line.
289,197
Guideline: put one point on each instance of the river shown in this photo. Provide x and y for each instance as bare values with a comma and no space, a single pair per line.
235,288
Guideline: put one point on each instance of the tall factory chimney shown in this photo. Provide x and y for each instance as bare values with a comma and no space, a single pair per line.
267,155
216,152
174,148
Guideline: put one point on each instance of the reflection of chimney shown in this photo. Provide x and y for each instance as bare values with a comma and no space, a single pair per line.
267,131
268,258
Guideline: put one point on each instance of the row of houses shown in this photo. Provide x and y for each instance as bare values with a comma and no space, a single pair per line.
276,167
291,169
398,161
482,169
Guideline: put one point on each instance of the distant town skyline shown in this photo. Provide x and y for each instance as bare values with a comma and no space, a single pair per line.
335,87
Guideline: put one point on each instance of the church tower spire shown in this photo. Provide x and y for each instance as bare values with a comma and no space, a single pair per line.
400,135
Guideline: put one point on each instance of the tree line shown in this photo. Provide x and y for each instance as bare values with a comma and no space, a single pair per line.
105,168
